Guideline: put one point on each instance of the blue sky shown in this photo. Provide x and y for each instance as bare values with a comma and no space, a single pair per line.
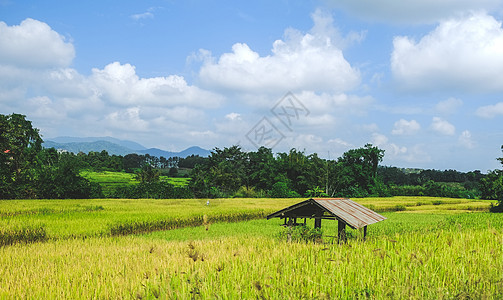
421,80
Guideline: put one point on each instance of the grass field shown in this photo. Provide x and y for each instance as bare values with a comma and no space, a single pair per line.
110,181
438,252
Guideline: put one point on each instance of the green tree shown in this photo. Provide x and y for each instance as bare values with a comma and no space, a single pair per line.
261,169
19,146
491,186
356,172
148,174
62,181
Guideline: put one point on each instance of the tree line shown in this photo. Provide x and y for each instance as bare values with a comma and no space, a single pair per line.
27,170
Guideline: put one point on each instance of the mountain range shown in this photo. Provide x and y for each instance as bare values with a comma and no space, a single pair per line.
116,147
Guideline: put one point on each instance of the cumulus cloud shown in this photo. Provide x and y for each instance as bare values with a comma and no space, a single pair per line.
337,104
404,127
339,143
465,53
128,120
379,139
397,153
448,106
411,11
42,107
33,44
490,111
120,84
465,140
311,61
441,126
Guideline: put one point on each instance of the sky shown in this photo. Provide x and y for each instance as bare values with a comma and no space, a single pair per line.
420,79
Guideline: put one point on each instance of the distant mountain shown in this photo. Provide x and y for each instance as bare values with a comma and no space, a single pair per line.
157,152
194,150
187,152
116,147
86,147
124,143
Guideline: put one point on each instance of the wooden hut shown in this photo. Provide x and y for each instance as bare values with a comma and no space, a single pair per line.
345,211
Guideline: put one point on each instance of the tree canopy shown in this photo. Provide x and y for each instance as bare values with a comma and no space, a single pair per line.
28,171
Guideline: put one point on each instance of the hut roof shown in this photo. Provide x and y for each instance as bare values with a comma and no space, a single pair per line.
353,214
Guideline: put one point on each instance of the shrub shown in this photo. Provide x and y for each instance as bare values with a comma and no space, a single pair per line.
302,233
400,207
281,190
245,192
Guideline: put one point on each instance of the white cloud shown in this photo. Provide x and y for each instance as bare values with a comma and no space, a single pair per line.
404,127
337,104
182,114
33,44
127,120
442,126
43,108
411,11
339,143
465,140
448,106
145,15
121,85
311,61
396,153
379,139
490,111
465,53
148,14
233,116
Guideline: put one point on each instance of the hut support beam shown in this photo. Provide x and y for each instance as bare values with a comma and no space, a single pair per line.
341,236
317,223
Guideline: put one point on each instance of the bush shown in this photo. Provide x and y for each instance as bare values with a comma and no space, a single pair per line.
400,207
245,192
302,233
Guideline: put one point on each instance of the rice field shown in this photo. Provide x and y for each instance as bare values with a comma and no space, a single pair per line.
439,253
110,181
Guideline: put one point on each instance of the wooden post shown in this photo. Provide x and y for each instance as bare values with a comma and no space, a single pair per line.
365,232
317,222
341,237
289,234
